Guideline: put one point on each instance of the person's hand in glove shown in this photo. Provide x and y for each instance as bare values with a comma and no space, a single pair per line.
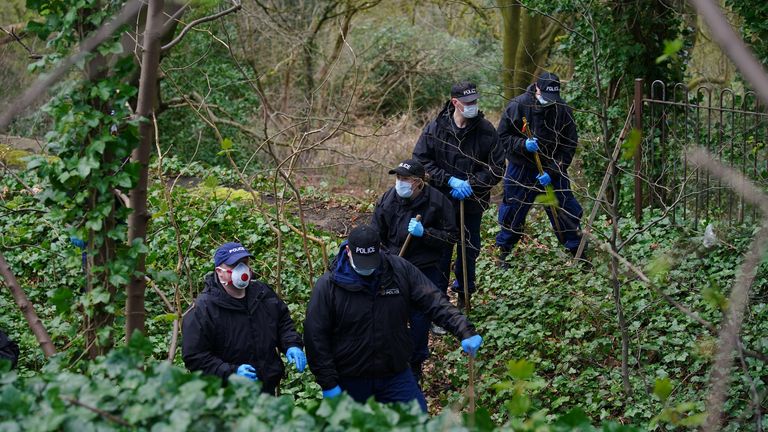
332,393
461,188
532,144
471,344
247,371
544,179
296,356
415,228
77,242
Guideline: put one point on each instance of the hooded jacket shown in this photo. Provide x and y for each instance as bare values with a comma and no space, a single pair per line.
393,213
358,326
471,153
8,349
553,125
222,332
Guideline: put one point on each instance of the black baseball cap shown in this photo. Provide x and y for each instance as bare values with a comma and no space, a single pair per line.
364,243
229,254
409,168
549,85
465,91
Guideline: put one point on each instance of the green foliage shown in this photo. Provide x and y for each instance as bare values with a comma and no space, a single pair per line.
201,64
408,68
754,26
92,140
561,319
671,49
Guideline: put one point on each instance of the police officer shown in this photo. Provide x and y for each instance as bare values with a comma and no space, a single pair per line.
551,122
356,330
395,217
238,325
460,151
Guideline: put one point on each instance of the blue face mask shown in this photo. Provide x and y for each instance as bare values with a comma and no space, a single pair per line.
470,111
361,272
404,189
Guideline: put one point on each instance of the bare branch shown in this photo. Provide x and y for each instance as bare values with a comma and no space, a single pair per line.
12,36
740,184
106,415
237,6
739,298
27,308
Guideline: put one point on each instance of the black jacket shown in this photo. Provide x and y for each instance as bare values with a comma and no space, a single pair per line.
472,153
393,214
8,349
553,125
222,332
358,326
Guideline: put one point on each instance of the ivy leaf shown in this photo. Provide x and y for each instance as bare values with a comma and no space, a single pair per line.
168,317
85,165
61,299
519,404
548,198
694,420
714,297
226,144
631,145
93,224
521,369
662,388
671,48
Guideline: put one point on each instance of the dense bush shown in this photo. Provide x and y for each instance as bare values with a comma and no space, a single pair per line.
406,66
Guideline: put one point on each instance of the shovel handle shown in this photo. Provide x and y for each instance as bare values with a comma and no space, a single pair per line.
408,239
529,133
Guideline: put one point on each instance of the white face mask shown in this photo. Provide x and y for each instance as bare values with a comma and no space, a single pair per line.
361,272
241,276
470,111
543,101
404,189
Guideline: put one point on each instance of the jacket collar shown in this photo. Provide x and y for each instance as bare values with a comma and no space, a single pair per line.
218,296
344,276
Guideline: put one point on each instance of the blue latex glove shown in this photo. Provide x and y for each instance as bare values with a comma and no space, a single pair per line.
77,242
332,393
458,194
454,182
247,371
544,179
470,345
296,356
461,188
532,144
415,228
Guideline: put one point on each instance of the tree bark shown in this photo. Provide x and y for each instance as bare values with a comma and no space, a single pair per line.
525,59
135,313
27,308
510,15
103,251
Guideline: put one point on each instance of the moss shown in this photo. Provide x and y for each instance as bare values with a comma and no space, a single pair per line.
13,157
224,192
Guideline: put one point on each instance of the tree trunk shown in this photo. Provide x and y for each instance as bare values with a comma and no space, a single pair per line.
525,59
135,314
101,252
27,308
510,14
